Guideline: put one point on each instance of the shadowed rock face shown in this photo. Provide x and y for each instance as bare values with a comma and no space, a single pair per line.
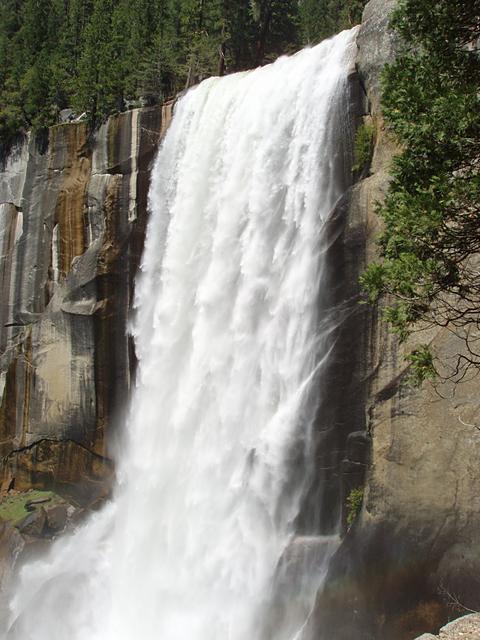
415,543
72,221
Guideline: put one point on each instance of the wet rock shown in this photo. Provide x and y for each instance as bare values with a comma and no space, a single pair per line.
57,518
11,545
358,447
66,468
33,524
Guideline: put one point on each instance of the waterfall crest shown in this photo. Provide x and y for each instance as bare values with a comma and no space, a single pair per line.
231,345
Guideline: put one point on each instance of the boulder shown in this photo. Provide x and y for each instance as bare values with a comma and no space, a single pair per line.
57,518
34,524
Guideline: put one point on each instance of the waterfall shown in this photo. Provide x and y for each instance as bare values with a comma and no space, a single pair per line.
200,541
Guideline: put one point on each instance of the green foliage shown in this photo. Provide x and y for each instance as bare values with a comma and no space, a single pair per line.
354,505
364,145
12,506
431,104
98,55
320,19
421,365
32,87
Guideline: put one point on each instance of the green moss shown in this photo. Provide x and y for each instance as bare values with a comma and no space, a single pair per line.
363,146
354,504
12,506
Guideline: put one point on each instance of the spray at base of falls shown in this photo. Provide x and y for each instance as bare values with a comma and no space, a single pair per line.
198,543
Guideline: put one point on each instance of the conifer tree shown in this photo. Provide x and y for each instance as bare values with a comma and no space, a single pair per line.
99,55
431,240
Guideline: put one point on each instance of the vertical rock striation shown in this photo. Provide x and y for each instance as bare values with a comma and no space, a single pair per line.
72,220
415,545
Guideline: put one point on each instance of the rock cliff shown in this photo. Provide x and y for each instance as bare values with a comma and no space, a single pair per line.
72,220
414,548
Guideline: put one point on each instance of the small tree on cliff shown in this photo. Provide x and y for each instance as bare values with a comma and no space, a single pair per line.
431,242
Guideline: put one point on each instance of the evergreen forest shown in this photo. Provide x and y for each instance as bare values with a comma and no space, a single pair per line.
99,57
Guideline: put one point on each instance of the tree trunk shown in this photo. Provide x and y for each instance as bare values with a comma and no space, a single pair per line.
200,15
263,35
221,61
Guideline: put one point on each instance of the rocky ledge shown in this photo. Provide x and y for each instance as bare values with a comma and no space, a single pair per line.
465,628
29,521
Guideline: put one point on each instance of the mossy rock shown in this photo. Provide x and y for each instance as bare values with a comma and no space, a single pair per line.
14,507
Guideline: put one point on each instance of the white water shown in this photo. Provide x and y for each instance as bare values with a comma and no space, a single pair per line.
218,455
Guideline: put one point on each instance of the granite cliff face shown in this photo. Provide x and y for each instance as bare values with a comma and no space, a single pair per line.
415,545
72,220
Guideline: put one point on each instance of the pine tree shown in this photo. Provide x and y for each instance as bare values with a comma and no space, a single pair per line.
99,85
431,239
96,55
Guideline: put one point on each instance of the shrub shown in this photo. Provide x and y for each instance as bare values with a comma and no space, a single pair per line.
364,145
354,505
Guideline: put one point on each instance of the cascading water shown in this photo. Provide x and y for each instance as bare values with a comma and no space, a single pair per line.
197,543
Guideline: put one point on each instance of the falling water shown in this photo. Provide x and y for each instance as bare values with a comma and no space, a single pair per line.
199,542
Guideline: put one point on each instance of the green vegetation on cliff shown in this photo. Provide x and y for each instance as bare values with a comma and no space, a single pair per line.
96,56
431,239
354,504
